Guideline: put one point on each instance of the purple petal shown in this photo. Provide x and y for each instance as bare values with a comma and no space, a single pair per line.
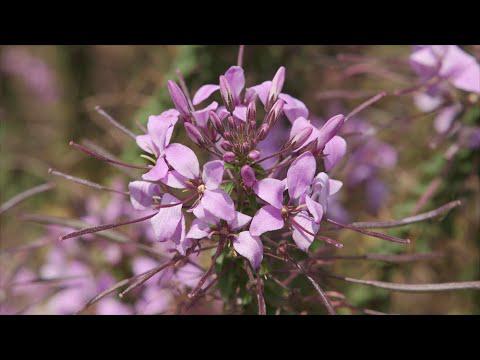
141,193
250,247
445,118
261,90
204,215
334,151
334,186
204,93
293,108
183,159
236,80
157,172
268,218
160,128
145,143
213,174
271,191
240,112
300,175
219,204
174,180
315,209
166,222
239,221
198,230
300,236
202,116
461,69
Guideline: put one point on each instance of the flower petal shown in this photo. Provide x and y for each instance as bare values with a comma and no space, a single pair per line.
300,236
249,247
157,172
145,143
236,80
204,93
219,204
174,180
213,174
198,230
261,90
300,174
334,151
239,221
141,193
166,221
268,218
293,108
315,208
160,128
271,191
183,159
202,116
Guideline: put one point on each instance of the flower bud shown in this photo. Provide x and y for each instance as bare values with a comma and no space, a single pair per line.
227,135
231,122
217,123
277,85
248,176
251,112
226,145
262,133
229,157
329,130
226,93
301,137
178,98
254,155
274,113
193,133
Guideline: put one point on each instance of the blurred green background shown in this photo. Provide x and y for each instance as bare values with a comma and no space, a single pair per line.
40,116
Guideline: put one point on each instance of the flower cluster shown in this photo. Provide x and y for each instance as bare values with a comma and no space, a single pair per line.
442,69
233,196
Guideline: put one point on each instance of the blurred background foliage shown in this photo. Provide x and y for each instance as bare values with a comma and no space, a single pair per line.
38,118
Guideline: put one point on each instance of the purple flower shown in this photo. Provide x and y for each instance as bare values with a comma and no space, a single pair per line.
448,62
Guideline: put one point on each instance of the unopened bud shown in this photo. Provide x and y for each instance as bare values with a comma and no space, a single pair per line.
301,137
254,155
262,133
215,120
251,112
193,133
229,157
227,135
277,85
248,176
329,130
226,145
274,113
226,93
231,122
178,98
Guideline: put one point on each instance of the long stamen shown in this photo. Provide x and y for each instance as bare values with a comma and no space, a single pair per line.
92,153
25,195
365,104
96,229
371,233
115,122
241,50
85,182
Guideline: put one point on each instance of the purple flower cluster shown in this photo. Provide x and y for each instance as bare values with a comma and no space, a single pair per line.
441,69
233,196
